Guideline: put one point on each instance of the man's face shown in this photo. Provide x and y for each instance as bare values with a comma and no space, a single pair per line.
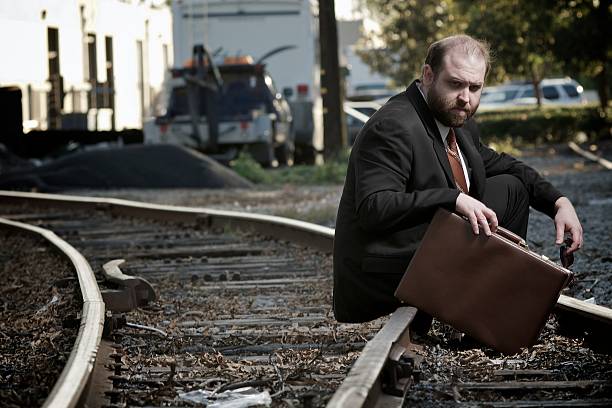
454,94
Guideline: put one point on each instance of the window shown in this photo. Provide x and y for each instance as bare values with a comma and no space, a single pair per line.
550,92
571,91
92,70
528,93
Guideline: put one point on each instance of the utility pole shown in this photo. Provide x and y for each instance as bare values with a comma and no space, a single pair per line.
334,128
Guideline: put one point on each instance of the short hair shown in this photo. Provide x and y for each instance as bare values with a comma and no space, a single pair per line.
471,46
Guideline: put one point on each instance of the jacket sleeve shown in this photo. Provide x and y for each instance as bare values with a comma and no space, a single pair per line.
383,166
542,194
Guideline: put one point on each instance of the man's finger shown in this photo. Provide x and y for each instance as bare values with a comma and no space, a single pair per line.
474,222
482,220
576,241
560,227
492,217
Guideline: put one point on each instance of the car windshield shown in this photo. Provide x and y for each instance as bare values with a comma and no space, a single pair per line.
240,95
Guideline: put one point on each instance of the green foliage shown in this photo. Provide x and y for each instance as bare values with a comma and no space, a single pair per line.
529,126
519,33
332,172
407,29
583,29
250,169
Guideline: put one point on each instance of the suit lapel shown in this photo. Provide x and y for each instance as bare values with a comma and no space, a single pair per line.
474,162
417,100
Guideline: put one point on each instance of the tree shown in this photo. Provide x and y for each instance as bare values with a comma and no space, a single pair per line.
521,37
583,32
407,27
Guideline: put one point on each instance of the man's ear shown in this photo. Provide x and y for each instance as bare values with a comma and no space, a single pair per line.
428,75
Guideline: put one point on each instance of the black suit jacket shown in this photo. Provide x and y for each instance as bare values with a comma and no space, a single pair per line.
398,175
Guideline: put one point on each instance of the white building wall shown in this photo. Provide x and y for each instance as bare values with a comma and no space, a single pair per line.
23,47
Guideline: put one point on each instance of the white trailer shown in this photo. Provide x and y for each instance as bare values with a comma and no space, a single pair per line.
85,64
255,27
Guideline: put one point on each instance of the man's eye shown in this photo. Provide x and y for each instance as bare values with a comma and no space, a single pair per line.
474,88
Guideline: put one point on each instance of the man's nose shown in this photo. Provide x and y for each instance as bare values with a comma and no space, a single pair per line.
464,96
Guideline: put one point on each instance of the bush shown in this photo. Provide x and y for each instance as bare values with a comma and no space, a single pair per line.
250,169
332,172
526,126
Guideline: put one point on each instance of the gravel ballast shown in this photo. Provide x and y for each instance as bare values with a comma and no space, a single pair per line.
38,310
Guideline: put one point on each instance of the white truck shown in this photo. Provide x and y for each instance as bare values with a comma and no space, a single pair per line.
280,35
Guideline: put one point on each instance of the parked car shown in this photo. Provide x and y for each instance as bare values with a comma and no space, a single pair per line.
357,114
555,91
372,91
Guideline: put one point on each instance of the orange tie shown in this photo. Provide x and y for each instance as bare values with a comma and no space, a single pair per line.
455,161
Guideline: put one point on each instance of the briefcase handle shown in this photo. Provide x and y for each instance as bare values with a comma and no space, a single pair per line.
509,235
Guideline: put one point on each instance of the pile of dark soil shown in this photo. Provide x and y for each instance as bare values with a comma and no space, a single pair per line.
10,161
134,166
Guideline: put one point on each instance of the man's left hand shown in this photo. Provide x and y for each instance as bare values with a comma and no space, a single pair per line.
566,220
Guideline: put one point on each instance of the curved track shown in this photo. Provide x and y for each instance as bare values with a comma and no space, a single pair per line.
238,309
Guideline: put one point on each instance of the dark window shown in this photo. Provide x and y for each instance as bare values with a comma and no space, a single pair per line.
55,96
241,94
107,98
550,92
53,51
510,94
92,70
571,91
141,78
528,93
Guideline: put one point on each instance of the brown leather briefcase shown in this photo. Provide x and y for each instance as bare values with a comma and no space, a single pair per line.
493,288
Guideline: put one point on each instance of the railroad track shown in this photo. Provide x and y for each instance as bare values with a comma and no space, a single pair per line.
241,303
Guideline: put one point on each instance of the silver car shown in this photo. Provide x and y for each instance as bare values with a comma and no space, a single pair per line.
555,91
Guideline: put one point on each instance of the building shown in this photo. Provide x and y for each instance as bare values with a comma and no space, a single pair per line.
359,74
85,64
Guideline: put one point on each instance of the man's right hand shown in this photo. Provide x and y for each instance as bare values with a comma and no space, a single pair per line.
477,213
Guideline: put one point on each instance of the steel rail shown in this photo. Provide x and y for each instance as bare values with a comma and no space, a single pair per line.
312,235
363,386
590,156
74,378
282,228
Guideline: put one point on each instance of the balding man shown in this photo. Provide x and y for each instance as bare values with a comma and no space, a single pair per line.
419,152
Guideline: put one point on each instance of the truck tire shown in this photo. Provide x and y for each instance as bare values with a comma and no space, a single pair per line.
305,154
263,153
285,154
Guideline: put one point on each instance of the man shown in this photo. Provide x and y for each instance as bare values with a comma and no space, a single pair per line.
419,152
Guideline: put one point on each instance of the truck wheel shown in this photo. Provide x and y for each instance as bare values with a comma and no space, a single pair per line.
305,154
285,154
263,153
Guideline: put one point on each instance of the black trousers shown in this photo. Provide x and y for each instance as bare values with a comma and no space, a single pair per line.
508,197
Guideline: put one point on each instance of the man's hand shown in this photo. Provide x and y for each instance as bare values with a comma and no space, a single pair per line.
477,213
566,220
